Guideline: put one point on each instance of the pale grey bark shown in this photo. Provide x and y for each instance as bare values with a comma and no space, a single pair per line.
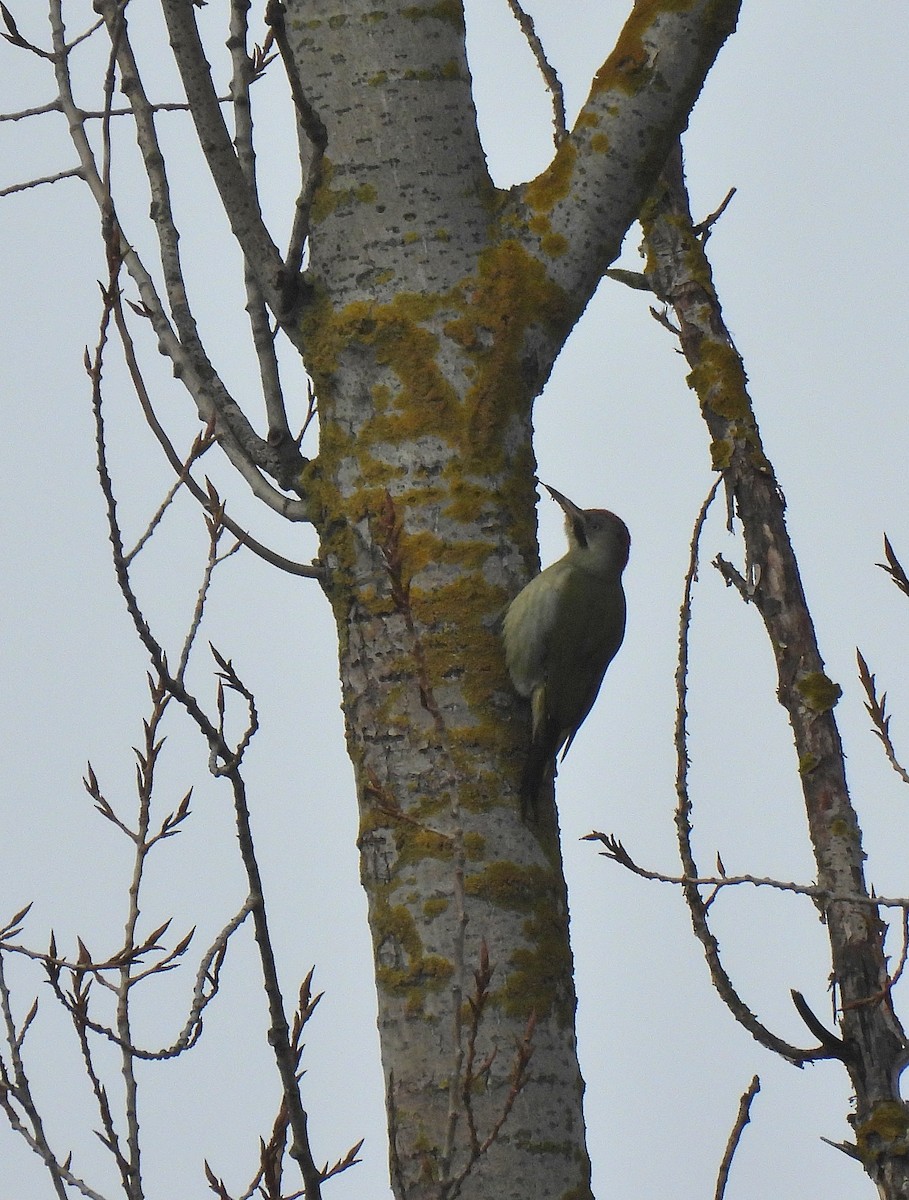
437,306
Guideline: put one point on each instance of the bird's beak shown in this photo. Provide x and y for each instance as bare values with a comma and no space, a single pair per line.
569,507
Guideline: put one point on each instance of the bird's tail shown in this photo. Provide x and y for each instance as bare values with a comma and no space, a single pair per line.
539,768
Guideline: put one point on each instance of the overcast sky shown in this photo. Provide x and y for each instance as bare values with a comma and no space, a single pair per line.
805,114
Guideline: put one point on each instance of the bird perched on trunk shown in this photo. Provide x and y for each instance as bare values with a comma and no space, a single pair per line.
562,631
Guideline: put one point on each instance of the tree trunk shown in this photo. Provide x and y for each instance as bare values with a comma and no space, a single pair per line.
434,307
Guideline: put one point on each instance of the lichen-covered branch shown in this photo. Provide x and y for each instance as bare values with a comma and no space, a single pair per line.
876,1047
573,216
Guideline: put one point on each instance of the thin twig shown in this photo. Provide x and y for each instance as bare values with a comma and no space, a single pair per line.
38,111
72,173
307,570
718,973
17,1087
204,991
215,529
547,70
704,228
636,280
202,443
15,38
617,853
876,707
742,1118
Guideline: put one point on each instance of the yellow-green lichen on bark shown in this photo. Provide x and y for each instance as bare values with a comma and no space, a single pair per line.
554,244
885,1132
444,642
510,292
448,72
491,313
554,184
474,846
445,10
510,886
327,198
843,829
396,936
720,383
818,692
629,67
416,843
535,980
396,335
721,450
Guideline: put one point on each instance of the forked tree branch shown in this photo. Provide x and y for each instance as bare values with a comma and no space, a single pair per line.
226,762
249,453
876,1045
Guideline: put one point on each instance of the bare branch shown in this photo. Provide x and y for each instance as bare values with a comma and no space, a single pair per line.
72,173
636,280
78,1010
696,905
877,711
16,1087
742,1118
292,512
244,74
616,852
547,70
38,111
835,1046
249,453
704,228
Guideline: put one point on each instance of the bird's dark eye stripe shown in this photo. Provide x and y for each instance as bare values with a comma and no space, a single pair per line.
580,533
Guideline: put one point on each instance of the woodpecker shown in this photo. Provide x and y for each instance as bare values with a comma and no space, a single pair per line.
562,631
